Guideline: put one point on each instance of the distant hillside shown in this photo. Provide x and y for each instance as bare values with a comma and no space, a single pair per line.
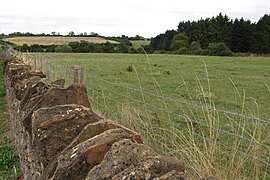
49,40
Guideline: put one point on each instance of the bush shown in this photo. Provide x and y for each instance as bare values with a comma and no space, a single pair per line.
219,49
130,68
182,50
63,49
24,48
161,52
2,47
122,48
36,48
179,41
195,46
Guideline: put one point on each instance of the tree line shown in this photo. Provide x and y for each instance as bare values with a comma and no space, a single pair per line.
218,35
82,47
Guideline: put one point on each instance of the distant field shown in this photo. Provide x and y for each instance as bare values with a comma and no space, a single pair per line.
43,40
138,43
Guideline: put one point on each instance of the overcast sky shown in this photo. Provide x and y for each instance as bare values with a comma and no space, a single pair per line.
116,17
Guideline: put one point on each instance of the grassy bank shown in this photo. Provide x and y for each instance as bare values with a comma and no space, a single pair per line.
9,166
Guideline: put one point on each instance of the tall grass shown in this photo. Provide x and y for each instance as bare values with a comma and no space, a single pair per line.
9,165
205,151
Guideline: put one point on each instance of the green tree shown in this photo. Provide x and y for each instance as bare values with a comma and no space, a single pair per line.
63,49
195,46
71,33
162,41
219,49
107,47
241,36
36,48
261,36
221,28
25,48
179,41
122,48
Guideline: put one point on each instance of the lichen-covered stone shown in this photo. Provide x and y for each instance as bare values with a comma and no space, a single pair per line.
97,128
76,162
74,94
129,159
153,167
54,128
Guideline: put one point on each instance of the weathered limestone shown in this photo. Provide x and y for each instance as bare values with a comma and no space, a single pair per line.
83,157
59,136
96,128
55,127
74,94
136,161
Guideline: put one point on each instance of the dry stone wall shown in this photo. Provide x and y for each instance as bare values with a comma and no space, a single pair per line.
59,136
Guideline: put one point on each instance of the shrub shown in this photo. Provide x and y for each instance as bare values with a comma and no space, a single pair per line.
130,68
195,46
36,48
63,49
219,49
24,48
179,41
122,48
107,47
2,47
182,50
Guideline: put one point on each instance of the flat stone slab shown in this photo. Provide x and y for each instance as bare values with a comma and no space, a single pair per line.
78,161
97,128
127,158
74,94
54,128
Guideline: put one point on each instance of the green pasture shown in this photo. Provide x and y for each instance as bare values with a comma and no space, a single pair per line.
226,80
177,101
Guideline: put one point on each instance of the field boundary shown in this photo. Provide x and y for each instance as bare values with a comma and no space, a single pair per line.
58,134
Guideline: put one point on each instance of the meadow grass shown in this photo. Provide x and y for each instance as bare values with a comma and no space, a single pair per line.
169,100
9,166
49,40
230,77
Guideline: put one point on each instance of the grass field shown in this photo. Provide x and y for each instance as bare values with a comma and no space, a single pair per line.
9,168
138,43
49,40
229,77
169,100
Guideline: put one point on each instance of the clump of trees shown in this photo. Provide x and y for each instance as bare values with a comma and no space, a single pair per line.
63,49
80,47
218,35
